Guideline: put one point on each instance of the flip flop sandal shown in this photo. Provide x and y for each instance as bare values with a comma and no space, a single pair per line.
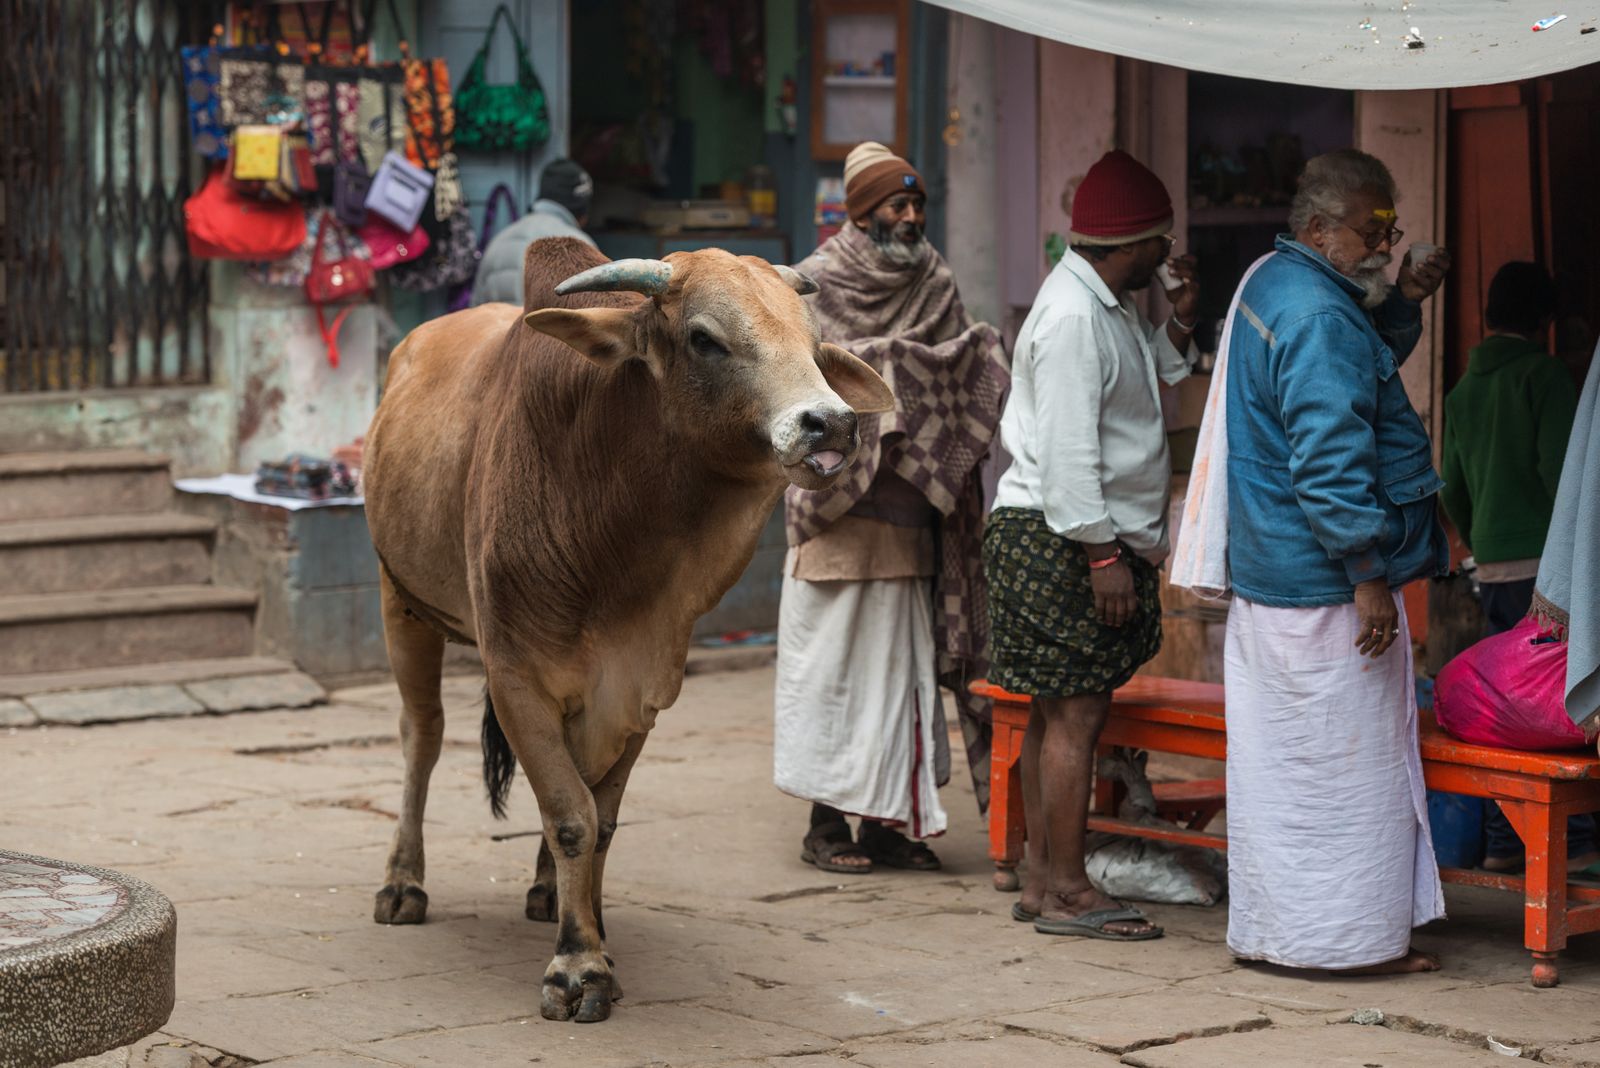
1022,915
1093,925
895,850
824,846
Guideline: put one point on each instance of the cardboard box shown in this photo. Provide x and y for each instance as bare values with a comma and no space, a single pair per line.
698,215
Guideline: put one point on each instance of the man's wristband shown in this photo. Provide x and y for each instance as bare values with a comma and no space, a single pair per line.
1101,565
1182,327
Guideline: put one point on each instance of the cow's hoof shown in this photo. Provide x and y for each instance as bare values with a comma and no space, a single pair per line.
396,903
584,998
541,903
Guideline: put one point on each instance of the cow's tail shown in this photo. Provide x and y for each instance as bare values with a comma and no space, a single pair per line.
499,765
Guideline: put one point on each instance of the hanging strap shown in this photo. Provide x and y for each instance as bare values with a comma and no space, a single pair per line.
368,22
501,191
330,334
488,38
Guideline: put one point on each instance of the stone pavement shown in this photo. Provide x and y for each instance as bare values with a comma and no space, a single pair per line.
269,830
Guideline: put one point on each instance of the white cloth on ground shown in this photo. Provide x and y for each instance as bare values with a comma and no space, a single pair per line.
1330,860
1200,554
859,722
1083,423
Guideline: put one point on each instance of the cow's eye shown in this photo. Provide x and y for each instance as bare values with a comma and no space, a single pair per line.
706,345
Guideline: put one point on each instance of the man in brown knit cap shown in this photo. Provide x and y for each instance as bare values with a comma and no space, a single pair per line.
882,588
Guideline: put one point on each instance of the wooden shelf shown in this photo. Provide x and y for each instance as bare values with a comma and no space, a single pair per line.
1234,215
863,81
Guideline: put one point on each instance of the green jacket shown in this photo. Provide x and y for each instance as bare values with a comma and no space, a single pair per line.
1505,434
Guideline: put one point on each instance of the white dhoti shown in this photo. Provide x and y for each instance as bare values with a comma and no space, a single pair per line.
859,719
1330,863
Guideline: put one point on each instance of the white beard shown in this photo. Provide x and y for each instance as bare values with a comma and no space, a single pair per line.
1375,286
902,254
1368,273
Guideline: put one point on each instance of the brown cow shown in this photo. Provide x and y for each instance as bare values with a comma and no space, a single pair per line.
571,498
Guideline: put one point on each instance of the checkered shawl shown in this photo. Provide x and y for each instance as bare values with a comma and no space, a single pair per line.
949,375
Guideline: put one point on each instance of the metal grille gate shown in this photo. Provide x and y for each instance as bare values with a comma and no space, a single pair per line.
96,286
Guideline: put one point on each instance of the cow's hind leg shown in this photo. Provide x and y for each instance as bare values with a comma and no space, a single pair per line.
607,800
577,984
542,894
416,653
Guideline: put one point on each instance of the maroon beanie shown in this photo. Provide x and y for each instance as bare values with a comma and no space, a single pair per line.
1118,202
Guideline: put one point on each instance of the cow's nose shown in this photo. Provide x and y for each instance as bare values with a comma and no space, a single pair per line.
821,424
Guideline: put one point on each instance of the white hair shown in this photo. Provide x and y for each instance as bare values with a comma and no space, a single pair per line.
1330,180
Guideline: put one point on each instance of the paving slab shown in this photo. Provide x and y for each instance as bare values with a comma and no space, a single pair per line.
246,693
1516,1014
1580,1055
1121,1024
1334,1046
14,713
114,703
651,1035
1005,1049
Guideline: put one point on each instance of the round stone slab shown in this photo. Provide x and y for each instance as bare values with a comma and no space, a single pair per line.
86,960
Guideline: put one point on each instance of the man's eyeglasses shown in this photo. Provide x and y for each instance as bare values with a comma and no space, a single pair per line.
1373,240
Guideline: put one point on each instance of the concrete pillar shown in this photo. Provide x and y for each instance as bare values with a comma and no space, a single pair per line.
972,231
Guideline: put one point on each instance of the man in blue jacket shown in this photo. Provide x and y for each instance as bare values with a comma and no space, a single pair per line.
1331,498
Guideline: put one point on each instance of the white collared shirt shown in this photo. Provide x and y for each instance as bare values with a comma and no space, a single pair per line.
1083,422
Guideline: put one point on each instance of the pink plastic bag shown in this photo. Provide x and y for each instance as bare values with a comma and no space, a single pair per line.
1508,691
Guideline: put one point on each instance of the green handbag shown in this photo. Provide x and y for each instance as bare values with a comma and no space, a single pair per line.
501,118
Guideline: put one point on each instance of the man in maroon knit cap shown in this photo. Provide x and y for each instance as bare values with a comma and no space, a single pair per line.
883,585
1080,519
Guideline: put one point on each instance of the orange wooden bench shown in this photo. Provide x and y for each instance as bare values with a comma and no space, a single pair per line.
1536,791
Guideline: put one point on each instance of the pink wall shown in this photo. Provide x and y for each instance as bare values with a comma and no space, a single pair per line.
1077,125
1405,130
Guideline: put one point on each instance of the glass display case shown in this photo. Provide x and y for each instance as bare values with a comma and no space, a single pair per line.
859,83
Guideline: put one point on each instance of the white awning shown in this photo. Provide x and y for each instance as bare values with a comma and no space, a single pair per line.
1340,44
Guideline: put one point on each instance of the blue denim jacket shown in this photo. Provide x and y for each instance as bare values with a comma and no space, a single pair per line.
1330,471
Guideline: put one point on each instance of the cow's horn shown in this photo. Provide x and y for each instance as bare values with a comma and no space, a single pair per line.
800,282
649,277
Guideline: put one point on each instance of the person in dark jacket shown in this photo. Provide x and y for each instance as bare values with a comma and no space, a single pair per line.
1506,426
562,210
1505,434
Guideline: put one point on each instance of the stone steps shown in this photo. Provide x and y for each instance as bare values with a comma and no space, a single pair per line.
52,485
108,628
85,553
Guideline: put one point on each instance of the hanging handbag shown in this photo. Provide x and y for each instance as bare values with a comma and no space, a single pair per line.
201,73
501,118
380,114
429,112
222,224
291,271
338,281
390,247
462,297
351,184
453,259
399,191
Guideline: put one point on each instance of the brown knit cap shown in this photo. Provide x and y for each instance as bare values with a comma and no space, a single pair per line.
873,174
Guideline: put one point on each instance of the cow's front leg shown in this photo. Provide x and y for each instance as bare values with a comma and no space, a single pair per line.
416,653
577,984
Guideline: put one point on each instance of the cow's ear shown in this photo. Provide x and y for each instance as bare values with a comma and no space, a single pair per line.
608,336
857,384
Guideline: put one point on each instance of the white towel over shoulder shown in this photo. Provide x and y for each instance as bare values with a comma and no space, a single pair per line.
1200,555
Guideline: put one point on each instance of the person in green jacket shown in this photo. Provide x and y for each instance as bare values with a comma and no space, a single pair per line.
1506,425
1505,434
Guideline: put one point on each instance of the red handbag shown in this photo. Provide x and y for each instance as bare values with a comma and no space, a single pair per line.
221,224
390,245
338,281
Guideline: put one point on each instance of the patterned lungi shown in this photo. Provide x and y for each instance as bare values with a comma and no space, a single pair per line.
1046,639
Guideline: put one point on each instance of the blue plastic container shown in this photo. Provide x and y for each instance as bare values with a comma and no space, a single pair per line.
1457,824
